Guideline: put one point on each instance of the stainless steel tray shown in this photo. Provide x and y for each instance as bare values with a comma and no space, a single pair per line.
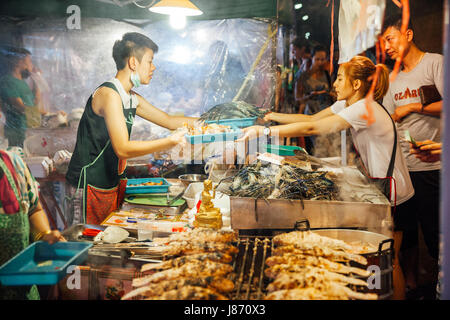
75,232
171,211
249,213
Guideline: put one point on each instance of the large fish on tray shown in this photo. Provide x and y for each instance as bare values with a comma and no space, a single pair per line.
232,110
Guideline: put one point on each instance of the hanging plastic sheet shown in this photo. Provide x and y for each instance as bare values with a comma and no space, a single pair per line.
198,67
360,23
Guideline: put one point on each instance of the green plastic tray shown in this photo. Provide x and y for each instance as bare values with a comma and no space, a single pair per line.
282,150
153,200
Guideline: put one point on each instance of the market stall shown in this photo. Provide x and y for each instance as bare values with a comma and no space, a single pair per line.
278,225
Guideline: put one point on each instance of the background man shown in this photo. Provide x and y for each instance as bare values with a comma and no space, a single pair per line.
17,96
419,69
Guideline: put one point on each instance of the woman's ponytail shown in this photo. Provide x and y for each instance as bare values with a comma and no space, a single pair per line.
382,85
362,68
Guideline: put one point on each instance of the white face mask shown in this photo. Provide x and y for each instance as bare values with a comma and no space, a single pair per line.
135,79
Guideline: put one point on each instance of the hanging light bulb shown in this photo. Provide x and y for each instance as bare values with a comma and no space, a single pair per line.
177,21
176,7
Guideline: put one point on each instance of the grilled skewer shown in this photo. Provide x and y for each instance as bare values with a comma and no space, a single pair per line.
190,293
319,251
332,291
310,277
293,263
178,262
178,248
219,284
191,269
308,237
205,235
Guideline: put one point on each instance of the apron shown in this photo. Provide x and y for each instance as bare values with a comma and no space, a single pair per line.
98,201
14,237
383,184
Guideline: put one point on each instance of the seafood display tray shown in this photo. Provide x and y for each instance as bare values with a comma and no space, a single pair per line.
147,189
236,123
217,137
250,213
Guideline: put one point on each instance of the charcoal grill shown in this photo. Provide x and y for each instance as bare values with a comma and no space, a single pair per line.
248,267
251,283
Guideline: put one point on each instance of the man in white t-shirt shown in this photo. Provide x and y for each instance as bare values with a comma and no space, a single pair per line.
423,123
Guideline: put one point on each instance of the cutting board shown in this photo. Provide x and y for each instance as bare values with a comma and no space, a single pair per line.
153,200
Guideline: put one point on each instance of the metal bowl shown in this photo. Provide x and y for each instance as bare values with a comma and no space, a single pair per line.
189,178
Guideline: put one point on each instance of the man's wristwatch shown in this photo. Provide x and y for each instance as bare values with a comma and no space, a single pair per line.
266,131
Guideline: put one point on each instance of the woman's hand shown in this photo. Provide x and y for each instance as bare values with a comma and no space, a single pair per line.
269,116
251,132
53,237
178,137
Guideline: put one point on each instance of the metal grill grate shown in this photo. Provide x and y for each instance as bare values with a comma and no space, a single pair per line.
249,267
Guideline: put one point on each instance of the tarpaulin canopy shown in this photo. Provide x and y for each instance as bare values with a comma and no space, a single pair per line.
126,9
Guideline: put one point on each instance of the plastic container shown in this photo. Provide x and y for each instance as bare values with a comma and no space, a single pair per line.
216,137
189,195
147,189
282,150
145,230
167,226
235,123
42,263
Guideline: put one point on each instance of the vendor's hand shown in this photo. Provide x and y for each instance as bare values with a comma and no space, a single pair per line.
178,137
403,111
62,113
251,132
53,237
199,123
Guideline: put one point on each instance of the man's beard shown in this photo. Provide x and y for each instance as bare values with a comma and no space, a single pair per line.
25,74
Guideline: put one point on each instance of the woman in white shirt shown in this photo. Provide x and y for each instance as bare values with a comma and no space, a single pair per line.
371,128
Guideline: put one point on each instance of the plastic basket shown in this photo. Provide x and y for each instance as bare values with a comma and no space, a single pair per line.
42,263
217,137
236,123
282,150
147,189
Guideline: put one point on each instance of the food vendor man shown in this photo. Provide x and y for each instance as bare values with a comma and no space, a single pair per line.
96,171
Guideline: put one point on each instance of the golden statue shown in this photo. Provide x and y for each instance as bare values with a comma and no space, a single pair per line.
208,216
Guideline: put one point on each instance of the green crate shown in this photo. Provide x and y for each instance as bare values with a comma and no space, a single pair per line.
282,150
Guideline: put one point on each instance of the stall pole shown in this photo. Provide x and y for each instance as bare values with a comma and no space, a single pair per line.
445,173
